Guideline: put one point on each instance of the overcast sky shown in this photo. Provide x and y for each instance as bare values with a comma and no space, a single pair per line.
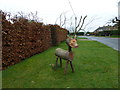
49,10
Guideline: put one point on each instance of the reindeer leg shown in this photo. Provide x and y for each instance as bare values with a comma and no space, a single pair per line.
66,66
60,62
72,66
56,62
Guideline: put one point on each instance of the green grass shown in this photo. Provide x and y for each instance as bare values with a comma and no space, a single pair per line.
81,38
96,66
115,36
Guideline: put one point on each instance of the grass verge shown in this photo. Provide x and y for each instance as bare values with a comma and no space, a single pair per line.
96,66
81,38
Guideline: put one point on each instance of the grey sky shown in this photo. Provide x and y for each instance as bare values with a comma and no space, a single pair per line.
49,10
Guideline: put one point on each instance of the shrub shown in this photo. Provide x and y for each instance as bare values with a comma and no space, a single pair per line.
25,38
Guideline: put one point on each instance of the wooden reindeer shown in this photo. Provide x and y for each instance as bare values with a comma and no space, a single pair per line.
66,54
72,43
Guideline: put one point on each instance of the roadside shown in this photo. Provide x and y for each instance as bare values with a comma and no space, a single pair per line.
83,39
111,42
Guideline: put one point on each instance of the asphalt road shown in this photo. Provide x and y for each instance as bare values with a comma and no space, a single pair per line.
111,42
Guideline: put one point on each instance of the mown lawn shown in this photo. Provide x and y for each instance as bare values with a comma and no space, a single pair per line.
96,66
81,38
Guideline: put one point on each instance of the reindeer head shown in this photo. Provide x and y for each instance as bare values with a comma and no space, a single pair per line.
72,42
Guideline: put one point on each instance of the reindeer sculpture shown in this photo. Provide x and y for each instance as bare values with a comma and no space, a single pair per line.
72,43
66,54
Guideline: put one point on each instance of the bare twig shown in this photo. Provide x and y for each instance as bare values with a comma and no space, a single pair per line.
82,23
62,19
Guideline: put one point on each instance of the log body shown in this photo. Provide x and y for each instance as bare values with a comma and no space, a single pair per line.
64,54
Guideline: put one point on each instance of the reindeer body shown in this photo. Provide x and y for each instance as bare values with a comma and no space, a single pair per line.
66,54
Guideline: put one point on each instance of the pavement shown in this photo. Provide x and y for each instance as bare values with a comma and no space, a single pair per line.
111,42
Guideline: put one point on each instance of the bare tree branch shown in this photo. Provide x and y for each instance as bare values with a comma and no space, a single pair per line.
21,14
82,23
75,25
79,22
64,20
60,18
73,30
89,23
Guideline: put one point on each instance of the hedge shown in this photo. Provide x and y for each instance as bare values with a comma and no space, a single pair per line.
109,32
24,38
79,33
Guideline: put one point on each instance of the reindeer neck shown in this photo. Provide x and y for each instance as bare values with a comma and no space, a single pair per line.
69,48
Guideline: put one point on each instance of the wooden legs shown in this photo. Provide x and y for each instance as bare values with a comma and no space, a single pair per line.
60,62
56,62
67,62
72,66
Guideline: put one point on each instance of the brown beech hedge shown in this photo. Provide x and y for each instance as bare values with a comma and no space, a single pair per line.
24,38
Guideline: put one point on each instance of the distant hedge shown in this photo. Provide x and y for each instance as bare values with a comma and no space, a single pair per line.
108,33
79,33
58,34
25,38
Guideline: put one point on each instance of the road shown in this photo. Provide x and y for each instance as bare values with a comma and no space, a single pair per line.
111,42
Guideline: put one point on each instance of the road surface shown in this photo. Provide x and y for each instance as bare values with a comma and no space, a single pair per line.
111,42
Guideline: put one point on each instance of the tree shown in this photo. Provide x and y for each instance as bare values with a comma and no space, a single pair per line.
62,19
116,20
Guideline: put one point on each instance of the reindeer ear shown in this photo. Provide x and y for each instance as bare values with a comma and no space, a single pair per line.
67,36
75,37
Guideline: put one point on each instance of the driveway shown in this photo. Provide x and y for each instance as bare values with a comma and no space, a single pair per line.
111,42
